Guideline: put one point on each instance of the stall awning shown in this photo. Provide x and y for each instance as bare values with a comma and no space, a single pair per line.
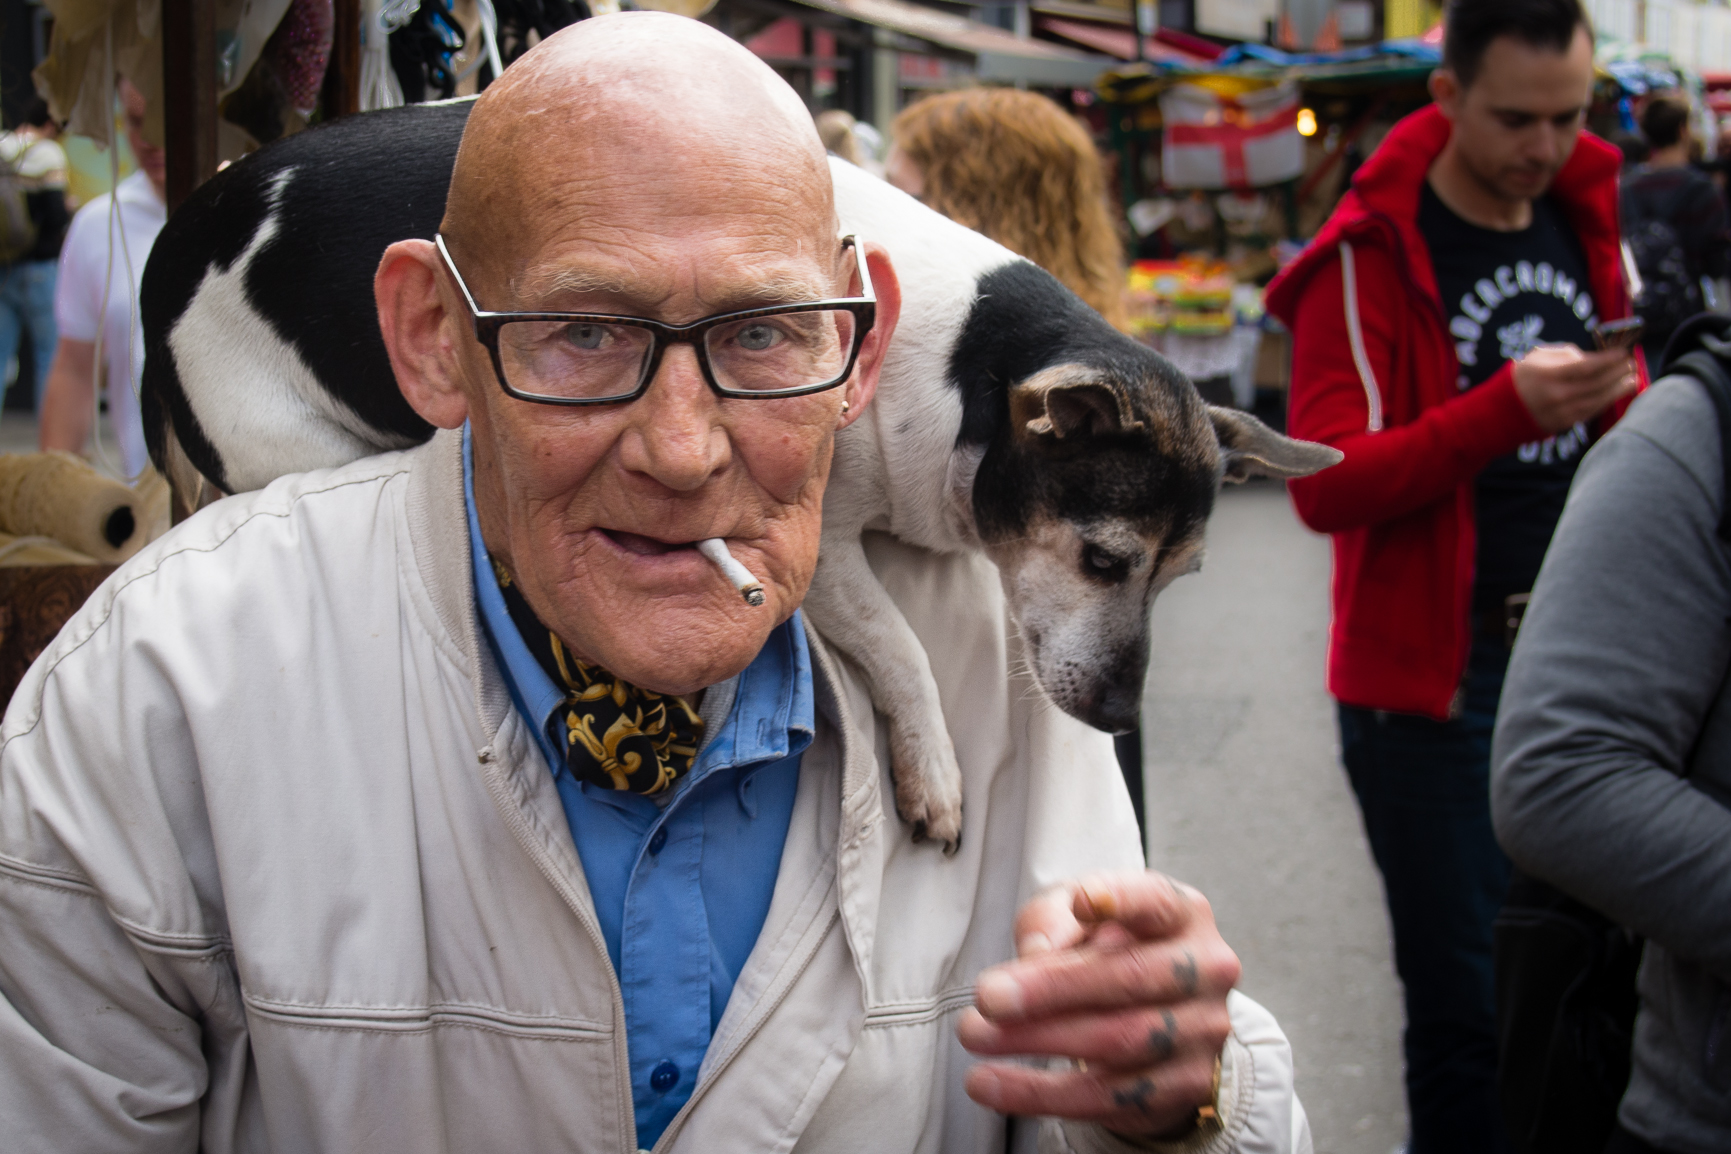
1119,42
998,55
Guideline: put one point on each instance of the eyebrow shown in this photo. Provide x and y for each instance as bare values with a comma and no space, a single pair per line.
1576,111
784,288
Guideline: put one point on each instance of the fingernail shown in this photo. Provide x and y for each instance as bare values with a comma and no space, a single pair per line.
1033,945
998,995
1102,901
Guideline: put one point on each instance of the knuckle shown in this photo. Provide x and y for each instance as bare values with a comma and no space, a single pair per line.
1145,971
1224,968
1213,1026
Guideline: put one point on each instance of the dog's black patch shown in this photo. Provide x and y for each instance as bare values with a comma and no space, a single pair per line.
314,280
1023,322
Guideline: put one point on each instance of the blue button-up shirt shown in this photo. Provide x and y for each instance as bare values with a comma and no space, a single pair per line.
680,889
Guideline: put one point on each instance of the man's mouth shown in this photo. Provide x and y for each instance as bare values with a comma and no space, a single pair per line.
644,546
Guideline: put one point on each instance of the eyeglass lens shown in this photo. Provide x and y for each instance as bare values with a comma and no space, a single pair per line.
594,360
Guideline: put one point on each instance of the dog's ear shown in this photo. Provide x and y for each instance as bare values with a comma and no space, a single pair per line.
1061,404
1249,448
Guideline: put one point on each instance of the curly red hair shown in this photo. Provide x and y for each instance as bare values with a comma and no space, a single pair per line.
1017,167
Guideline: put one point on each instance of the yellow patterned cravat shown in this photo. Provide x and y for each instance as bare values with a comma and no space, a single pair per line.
614,734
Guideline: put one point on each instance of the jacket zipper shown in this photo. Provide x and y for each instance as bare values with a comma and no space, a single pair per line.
519,827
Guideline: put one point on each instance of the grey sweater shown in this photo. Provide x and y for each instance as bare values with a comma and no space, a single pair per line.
1612,761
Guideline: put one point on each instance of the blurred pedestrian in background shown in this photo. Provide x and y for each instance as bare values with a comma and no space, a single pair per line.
1442,325
100,267
854,141
1613,750
1675,224
32,170
1018,168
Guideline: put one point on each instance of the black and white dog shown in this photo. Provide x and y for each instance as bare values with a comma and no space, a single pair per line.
1009,418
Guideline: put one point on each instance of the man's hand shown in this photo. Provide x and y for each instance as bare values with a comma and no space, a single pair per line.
1123,972
1562,386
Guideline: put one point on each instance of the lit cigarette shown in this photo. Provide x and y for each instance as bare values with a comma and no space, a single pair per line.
738,575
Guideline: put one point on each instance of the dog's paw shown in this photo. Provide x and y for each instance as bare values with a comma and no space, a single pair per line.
928,787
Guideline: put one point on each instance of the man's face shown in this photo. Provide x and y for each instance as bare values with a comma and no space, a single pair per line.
1516,124
595,509
151,160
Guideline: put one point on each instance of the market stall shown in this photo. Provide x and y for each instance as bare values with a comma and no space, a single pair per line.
1225,166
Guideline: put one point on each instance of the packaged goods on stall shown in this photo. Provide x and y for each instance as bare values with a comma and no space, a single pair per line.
1191,296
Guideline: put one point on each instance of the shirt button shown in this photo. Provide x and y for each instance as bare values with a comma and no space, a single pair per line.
655,844
664,1077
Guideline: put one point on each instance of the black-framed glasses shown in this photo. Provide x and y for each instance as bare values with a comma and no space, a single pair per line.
785,350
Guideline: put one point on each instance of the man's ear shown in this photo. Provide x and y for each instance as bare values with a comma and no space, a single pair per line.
1445,89
1068,404
412,319
1249,448
864,383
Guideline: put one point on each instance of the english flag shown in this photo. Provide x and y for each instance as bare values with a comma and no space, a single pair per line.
1246,141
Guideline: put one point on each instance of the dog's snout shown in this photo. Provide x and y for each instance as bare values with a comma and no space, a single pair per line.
1118,708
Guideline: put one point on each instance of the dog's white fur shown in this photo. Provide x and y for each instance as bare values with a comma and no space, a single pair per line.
898,468
286,419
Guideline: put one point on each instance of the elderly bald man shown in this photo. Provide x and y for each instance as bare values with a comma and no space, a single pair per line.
292,856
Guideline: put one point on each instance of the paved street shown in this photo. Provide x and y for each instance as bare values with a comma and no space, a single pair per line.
1247,801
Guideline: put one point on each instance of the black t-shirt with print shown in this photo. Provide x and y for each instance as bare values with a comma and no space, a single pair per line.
1505,293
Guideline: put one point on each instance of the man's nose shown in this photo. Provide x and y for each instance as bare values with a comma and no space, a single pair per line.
1546,145
675,436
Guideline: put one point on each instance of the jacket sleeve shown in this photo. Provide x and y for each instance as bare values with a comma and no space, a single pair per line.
1618,670
1259,1108
120,1029
1346,362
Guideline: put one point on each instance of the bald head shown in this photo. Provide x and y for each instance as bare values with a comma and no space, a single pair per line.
624,119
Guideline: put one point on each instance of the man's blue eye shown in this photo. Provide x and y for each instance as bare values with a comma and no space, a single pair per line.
756,338
586,336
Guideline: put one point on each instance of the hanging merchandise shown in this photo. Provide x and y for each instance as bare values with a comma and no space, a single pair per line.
1213,140
518,18
380,18
300,51
421,52
90,36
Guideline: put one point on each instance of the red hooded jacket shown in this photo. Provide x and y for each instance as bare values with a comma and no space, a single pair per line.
1373,374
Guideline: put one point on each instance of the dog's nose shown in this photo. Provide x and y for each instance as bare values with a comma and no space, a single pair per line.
1115,705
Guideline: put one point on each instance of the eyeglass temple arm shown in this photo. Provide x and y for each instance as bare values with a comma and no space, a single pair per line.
462,286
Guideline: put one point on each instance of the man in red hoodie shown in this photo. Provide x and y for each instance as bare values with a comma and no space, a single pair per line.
1442,324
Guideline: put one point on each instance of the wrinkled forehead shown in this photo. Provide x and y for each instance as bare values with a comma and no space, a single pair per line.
617,204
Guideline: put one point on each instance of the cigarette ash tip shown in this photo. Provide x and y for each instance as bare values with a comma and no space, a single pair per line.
737,575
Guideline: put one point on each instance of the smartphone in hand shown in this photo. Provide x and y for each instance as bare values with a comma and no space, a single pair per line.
1619,334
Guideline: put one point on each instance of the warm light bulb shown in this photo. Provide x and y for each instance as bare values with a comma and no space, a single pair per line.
1306,122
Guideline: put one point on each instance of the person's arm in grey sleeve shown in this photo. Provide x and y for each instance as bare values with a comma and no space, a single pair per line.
1617,668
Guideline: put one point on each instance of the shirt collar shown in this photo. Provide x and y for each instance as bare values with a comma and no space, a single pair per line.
774,712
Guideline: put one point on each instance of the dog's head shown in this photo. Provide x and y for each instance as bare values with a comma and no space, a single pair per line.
1093,499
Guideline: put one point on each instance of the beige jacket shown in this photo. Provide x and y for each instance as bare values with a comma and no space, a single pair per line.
282,869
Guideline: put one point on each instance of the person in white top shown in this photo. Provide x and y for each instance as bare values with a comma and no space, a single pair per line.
37,166
101,264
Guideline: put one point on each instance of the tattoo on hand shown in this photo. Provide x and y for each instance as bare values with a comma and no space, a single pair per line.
1162,1040
1185,972
1136,1096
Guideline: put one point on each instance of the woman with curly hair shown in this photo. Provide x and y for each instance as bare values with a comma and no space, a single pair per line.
1018,168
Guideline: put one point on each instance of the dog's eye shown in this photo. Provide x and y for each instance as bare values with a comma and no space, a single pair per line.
1096,562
